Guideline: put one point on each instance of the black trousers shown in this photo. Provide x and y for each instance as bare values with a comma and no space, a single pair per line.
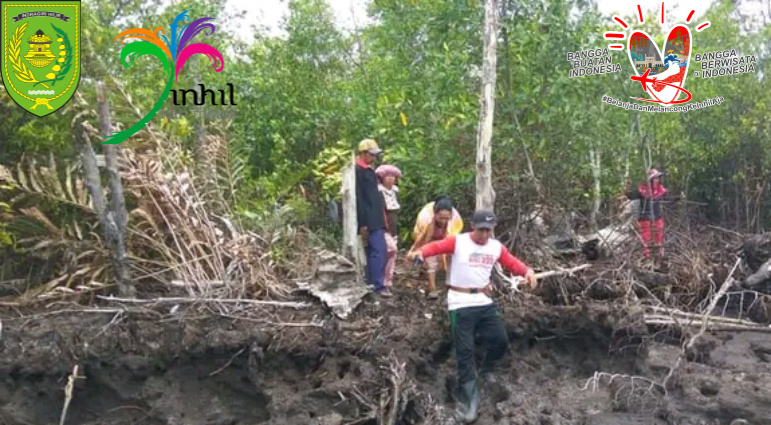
484,324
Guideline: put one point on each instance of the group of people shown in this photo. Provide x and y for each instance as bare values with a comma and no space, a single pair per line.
474,316
377,207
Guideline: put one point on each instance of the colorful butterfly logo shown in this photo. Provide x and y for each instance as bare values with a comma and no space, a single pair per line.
172,54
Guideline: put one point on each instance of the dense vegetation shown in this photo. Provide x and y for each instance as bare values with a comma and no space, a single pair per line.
411,81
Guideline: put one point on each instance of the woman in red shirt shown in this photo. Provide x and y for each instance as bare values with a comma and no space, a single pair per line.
650,193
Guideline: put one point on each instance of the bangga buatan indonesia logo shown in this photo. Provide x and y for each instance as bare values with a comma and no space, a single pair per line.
173,53
662,75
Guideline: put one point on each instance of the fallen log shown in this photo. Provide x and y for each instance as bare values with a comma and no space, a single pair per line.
757,250
697,322
678,314
290,304
760,280
715,326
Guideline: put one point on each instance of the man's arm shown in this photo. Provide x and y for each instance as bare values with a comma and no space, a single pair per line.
360,215
444,246
512,263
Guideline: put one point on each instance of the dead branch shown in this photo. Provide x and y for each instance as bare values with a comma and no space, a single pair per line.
714,327
390,405
637,386
397,376
517,281
68,392
705,317
595,380
185,284
228,363
276,324
289,304
692,322
669,313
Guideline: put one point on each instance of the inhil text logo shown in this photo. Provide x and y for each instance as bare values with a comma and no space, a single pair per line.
172,48
205,93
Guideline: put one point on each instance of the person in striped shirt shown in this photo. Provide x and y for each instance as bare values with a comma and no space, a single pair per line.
472,311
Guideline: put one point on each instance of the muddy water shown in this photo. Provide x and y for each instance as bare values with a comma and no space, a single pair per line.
194,368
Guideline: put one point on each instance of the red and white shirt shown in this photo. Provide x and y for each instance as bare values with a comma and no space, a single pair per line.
471,267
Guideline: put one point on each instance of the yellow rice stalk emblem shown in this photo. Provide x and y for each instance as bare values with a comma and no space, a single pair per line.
41,53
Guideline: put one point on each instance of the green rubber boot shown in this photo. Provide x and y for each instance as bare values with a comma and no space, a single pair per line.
469,401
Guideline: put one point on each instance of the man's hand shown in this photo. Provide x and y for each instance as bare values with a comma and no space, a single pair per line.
530,278
364,232
415,254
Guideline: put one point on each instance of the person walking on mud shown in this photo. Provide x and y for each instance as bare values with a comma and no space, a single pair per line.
388,174
370,213
436,221
650,221
473,313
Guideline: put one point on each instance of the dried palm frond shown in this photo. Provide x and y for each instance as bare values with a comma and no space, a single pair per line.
73,251
63,251
189,243
53,182
180,229
221,170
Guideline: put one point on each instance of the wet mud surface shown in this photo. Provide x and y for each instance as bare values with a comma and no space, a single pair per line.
194,367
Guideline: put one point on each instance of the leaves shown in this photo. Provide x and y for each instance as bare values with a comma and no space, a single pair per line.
328,169
411,80
59,183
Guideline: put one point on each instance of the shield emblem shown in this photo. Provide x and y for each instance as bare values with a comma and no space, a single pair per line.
40,53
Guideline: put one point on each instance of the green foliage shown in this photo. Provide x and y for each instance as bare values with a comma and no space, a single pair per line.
328,167
6,238
411,81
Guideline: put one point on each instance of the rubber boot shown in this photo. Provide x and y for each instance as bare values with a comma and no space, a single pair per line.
469,401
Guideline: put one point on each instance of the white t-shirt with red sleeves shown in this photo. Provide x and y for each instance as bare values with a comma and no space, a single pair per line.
472,266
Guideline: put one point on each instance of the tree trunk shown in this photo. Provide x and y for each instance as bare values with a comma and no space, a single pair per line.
91,172
116,216
352,247
485,196
594,160
627,159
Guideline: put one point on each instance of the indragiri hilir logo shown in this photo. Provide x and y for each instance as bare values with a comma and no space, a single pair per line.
662,76
172,53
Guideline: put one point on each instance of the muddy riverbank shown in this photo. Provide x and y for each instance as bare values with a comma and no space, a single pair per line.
196,365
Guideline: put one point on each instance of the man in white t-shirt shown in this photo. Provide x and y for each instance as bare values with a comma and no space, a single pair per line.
472,311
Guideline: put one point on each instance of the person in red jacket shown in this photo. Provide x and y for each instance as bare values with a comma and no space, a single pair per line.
651,223
472,311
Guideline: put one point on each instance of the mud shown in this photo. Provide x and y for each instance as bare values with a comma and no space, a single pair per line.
193,366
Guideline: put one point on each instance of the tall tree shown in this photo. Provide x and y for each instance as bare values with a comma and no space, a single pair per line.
485,197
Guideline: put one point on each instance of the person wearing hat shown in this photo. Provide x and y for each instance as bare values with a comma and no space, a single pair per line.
650,194
387,175
472,311
436,221
370,214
